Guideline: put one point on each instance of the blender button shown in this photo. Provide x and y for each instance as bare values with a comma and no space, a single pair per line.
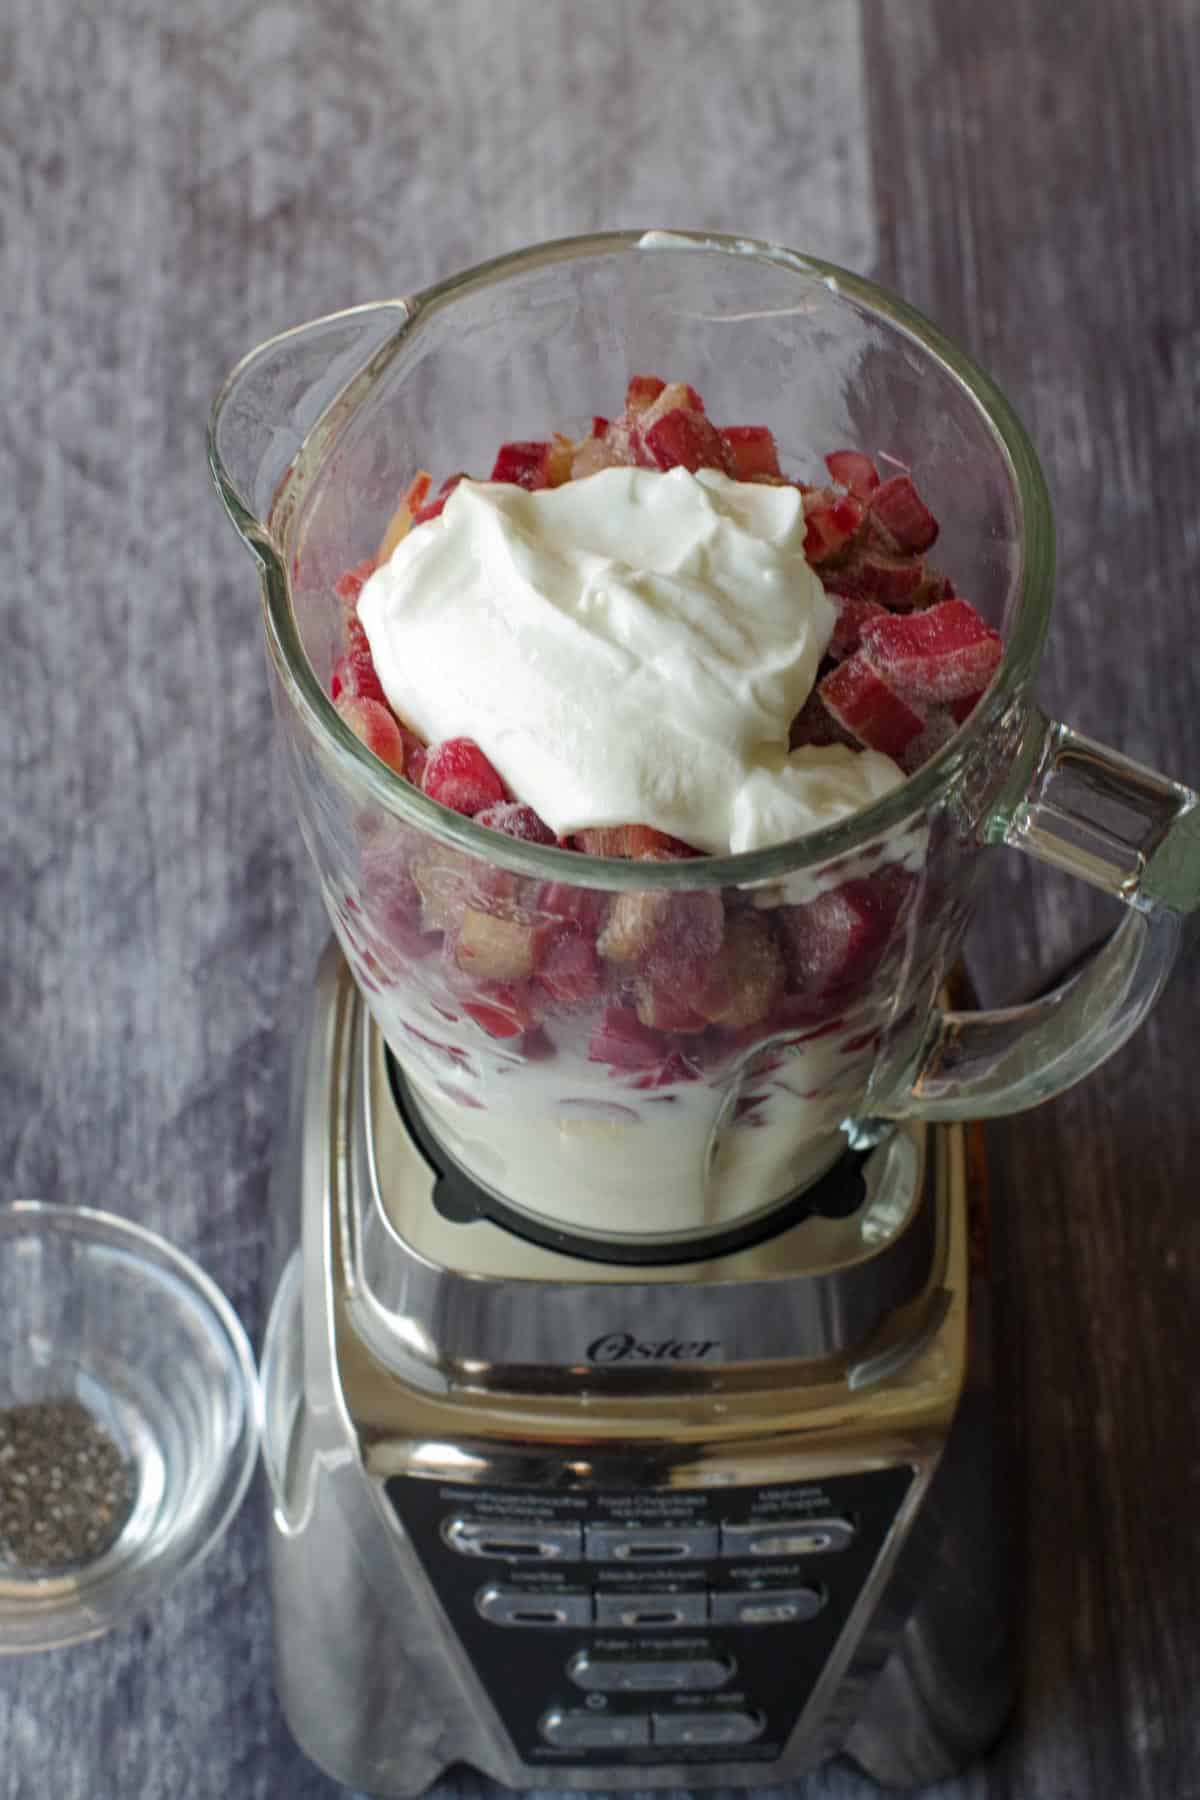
514,1542
787,1537
643,1675
650,1543
706,1728
780,1606
594,1731
651,1612
524,1606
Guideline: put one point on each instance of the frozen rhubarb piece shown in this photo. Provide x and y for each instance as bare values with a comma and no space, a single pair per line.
594,454
506,1012
853,614
751,450
400,523
642,391
941,654
669,934
349,586
459,775
857,697
815,724
629,841
525,464
904,516
516,821
569,970
853,470
746,976
662,1009
579,906
684,439
432,508
834,522
874,574
832,945
499,946
375,727
599,425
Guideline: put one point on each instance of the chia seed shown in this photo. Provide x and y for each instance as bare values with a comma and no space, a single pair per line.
66,1489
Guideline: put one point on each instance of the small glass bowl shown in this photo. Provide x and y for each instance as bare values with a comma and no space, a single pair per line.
98,1310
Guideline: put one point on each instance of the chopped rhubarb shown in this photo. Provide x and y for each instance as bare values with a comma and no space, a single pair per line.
853,470
941,654
569,970
751,450
961,710
459,775
516,821
432,508
629,841
506,1012
349,586
833,944
857,697
621,1040
668,934
833,521
599,425
897,581
853,614
374,726
641,392
665,1010
815,724
526,464
685,439
580,906
497,946
746,976
902,513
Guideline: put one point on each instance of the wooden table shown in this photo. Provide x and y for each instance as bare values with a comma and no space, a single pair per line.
175,184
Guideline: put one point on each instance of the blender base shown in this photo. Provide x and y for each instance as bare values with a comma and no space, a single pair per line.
639,1572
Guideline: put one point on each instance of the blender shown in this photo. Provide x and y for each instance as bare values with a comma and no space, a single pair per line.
627,1389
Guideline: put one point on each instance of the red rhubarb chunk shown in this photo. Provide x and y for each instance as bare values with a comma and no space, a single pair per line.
665,1009
941,654
506,1012
853,470
834,521
685,439
751,449
569,970
621,1040
898,507
349,586
642,391
523,464
896,581
815,724
577,906
853,614
961,710
599,425
629,840
516,821
833,945
858,698
374,726
432,508
459,775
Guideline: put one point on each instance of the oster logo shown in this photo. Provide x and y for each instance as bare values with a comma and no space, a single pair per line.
622,1346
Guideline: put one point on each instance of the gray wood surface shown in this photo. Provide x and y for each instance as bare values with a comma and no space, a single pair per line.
176,183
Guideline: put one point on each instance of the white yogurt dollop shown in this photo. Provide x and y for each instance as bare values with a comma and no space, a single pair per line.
630,648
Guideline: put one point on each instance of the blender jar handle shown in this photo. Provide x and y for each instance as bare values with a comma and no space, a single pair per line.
1135,834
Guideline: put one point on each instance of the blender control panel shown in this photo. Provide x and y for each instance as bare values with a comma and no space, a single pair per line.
651,1625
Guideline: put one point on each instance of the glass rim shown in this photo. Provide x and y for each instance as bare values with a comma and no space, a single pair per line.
1032,581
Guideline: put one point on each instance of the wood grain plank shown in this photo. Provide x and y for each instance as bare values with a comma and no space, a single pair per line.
1035,180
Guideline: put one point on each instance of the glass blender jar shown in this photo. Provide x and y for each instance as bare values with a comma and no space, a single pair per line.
576,1084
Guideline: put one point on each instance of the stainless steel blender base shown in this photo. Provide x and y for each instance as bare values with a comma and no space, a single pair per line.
446,1554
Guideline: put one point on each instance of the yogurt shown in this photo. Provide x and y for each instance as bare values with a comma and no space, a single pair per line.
629,648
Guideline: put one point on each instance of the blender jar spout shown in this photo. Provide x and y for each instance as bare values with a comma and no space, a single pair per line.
284,400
